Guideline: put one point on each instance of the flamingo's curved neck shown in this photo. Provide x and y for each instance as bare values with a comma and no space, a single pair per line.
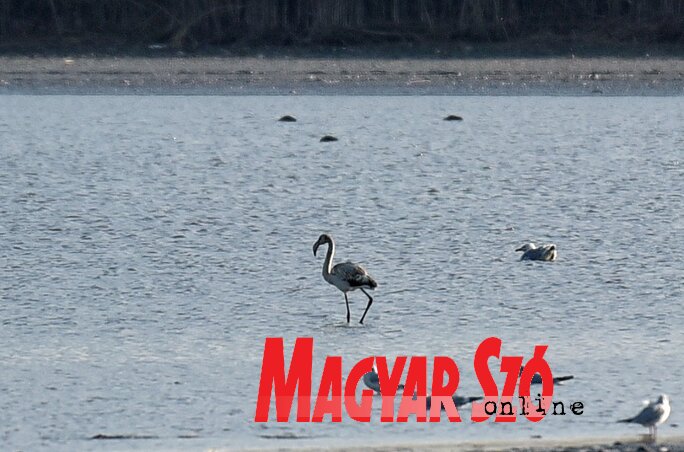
327,265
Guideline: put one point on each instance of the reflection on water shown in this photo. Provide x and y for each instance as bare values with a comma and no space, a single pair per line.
150,244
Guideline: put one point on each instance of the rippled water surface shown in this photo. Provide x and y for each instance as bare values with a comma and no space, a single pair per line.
148,245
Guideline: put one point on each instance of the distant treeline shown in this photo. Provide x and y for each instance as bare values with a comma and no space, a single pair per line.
219,22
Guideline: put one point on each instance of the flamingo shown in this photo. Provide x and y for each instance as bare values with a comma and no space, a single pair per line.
543,253
654,414
346,276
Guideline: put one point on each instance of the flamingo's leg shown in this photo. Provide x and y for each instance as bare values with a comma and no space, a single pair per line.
370,302
346,300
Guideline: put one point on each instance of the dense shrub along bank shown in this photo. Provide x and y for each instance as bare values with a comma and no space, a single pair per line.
219,22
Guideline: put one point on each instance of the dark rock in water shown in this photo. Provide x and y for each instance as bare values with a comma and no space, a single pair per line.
453,118
288,118
328,138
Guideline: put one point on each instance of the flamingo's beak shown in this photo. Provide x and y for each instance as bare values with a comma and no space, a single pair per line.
315,247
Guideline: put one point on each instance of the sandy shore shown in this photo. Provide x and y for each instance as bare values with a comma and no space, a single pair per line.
670,444
342,75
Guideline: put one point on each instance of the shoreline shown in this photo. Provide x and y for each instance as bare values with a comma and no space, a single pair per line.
297,75
623,444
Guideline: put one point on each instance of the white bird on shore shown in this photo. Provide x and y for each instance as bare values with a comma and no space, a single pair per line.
346,276
653,414
543,253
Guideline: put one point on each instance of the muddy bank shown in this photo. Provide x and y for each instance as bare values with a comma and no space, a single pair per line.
350,75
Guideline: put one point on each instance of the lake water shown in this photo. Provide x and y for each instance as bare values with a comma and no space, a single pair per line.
150,244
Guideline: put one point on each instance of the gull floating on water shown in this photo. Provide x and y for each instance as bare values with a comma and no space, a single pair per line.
543,253
346,276
537,378
458,401
653,414
371,380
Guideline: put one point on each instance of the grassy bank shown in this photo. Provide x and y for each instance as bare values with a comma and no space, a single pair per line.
348,75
